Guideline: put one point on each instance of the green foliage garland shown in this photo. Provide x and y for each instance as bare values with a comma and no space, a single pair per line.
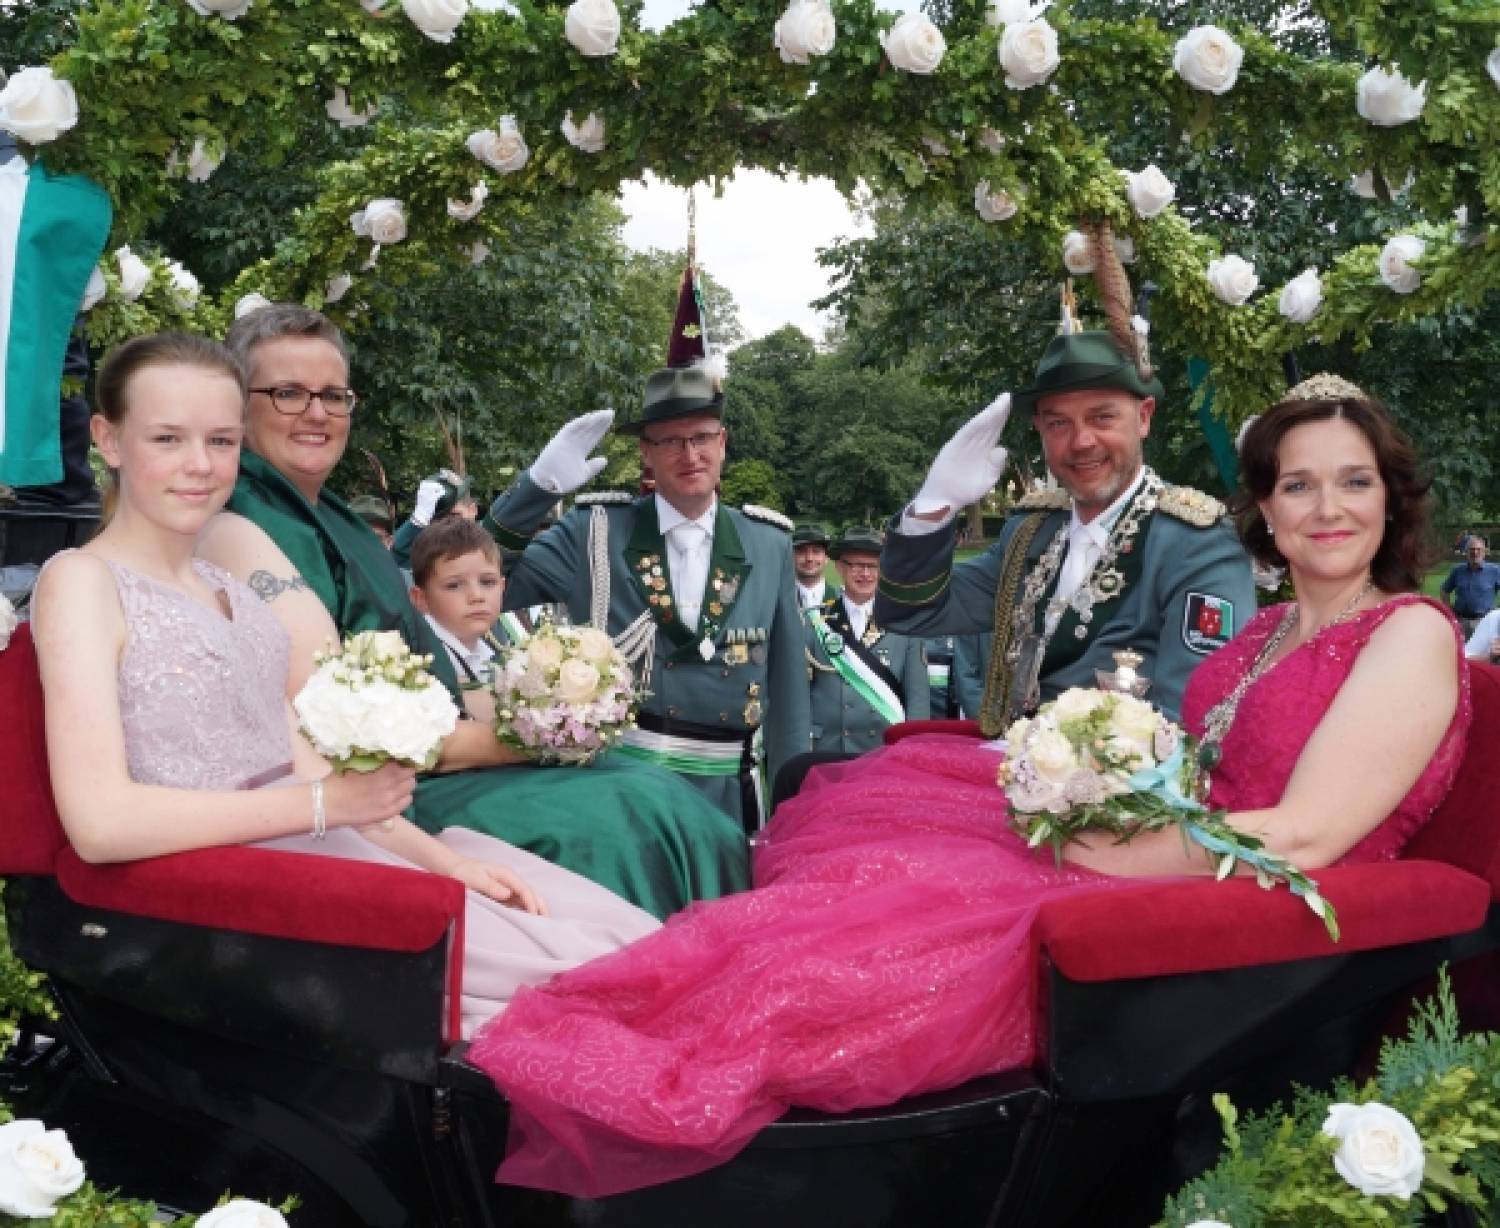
709,94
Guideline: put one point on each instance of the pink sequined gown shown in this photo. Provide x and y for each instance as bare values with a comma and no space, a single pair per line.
885,950
203,706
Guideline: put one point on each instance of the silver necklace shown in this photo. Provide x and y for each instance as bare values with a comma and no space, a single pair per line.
1219,718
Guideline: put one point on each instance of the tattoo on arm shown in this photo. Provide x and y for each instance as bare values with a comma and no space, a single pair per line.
268,587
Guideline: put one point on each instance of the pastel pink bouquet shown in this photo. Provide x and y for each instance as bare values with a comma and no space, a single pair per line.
566,695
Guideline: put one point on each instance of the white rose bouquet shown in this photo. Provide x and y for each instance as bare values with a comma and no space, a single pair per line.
564,696
1098,761
374,702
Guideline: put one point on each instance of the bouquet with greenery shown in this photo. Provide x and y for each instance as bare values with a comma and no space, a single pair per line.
1099,761
564,696
374,702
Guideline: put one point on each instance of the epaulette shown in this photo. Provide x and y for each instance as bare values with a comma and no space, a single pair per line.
1191,505
756,512
1048,499
590,498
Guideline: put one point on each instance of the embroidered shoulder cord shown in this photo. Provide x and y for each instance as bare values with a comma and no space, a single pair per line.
637,643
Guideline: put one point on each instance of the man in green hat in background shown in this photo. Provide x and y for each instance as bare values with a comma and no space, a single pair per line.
810,560
699,596
861,676
376,513
1115,559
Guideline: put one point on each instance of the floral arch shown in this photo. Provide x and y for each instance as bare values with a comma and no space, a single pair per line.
476,113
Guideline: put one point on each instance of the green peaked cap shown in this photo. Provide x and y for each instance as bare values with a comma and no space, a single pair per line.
860,539
1075,361
809,535
677,392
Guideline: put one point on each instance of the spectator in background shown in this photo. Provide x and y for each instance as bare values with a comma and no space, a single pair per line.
1471,586
376,513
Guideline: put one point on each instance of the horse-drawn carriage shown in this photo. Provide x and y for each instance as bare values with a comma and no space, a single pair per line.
257,1020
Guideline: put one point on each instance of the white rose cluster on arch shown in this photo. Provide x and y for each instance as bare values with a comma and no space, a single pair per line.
1028,43
806,29
37,107
503,149
994,206
914,44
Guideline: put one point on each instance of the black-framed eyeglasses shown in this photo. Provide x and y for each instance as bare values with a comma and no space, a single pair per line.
676,445
294,399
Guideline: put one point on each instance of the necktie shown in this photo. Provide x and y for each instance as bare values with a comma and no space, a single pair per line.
1083,553
689,569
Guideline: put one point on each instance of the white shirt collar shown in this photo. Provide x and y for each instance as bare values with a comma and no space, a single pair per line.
852,606
812,594
1098,529
477,660
668,517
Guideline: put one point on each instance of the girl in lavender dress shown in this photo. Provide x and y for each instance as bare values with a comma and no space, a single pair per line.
165,690
887,948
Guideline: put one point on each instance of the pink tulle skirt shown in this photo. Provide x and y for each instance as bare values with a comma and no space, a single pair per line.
886,950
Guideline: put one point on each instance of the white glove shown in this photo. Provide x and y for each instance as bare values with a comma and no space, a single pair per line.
564,464
428,494
970,463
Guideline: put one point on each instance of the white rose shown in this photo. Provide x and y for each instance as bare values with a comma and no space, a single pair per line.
1074,703
1233,279
336,287
437,19
343,114
504,151
593,26
183,286
201,162
1492,66
242,1213
229,10
478,252
587,136
1028,53
1125,250
1052,754
134,274
1207,58
1302,296
1397,259
1387,99
806,29
382,646
576,682
1149,190
382,220
94,291
594,645
410,725
36,107
37,1167
467,210
545,651
991,140
993,206
1078,253
9,620
1380,1151
1135,719
914,44
1014,12
329,713
247,303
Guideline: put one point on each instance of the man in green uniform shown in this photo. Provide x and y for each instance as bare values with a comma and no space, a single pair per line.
862,677
1115,559
699,595
809,559
638,831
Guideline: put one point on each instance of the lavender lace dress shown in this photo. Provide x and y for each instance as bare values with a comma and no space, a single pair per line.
202,701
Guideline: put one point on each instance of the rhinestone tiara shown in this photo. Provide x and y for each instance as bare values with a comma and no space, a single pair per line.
1325,386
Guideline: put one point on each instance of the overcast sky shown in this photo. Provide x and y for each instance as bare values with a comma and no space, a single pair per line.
761,238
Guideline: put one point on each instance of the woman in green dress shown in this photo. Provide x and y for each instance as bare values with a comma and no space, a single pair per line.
637,830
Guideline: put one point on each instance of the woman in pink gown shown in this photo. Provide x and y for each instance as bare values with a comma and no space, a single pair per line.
886,949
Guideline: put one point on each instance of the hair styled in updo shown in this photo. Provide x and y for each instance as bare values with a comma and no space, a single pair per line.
123,363
1406,547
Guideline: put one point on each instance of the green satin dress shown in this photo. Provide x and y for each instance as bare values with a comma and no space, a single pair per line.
635,828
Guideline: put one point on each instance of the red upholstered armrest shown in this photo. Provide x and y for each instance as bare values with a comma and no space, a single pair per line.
284,895
1198,925
905,729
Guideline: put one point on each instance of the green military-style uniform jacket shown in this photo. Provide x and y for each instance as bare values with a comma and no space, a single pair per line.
1186,588
741,670
638,831
844,716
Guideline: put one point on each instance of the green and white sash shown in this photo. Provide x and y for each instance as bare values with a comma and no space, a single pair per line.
854,670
